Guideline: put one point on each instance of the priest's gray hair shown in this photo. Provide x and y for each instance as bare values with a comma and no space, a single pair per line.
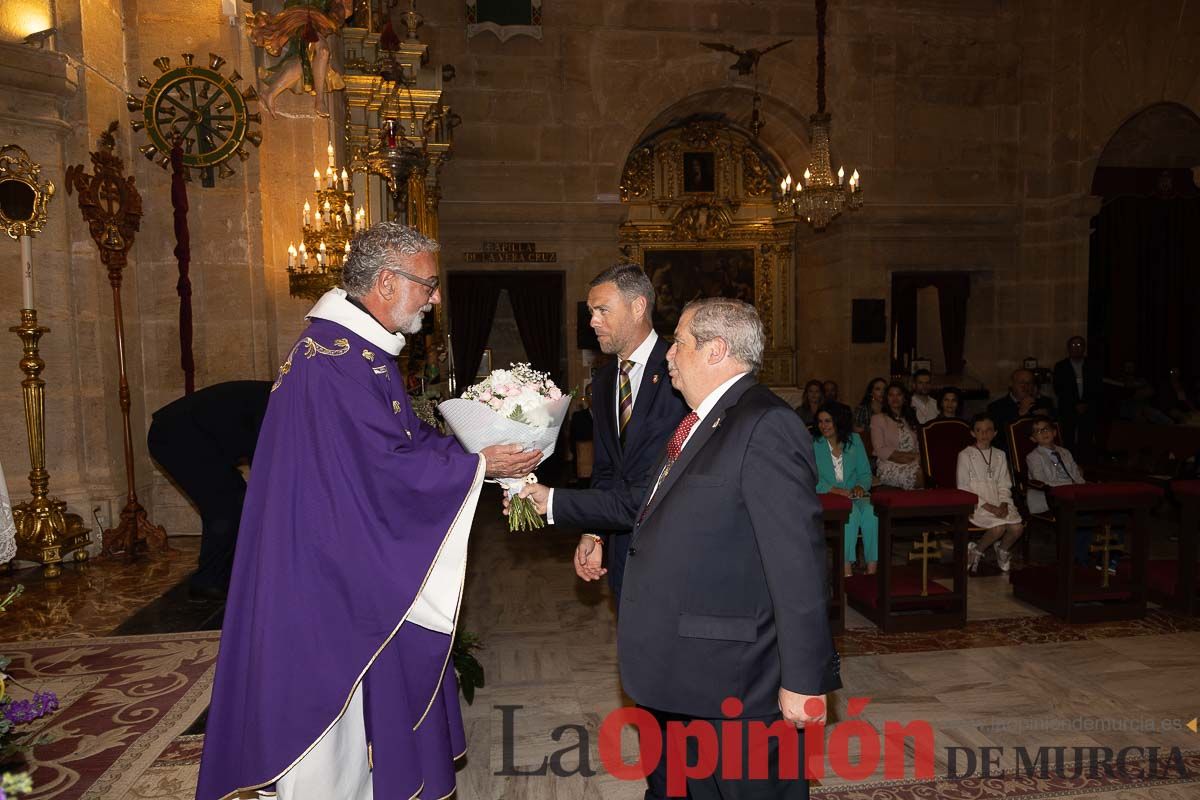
733,321
384,245
631,281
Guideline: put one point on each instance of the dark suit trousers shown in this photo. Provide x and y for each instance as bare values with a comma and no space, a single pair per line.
217,488
717,787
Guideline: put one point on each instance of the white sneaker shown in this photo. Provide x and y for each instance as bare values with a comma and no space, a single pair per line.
974,555
1003,558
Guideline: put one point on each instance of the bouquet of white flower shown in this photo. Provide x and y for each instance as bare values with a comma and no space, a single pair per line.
519,406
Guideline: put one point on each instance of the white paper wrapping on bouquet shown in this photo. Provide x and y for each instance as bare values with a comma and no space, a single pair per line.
476,426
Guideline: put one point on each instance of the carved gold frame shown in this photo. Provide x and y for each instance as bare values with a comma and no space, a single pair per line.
16,166
739,214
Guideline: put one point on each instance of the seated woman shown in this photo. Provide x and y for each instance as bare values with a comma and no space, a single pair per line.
894,437
813,398
983,470
872,404
949,403
1050,465
842,468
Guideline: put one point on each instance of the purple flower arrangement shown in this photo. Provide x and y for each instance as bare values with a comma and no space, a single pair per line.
22,712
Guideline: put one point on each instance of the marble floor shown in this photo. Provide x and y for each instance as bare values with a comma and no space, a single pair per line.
1012,678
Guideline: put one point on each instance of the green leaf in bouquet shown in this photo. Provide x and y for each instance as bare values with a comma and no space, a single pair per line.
518,415
466,666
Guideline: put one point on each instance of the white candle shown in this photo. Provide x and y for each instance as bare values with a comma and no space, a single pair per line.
330,178
360,218
317,221
317,179
346,214
329,152
27,271
303,256
307,213
291,255
345,185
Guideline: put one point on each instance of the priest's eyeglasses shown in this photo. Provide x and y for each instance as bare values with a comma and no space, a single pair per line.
429,283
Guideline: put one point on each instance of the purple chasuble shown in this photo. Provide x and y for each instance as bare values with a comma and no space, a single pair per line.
351,500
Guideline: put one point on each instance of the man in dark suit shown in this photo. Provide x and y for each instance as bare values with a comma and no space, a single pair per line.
199,441
1079,387
1020,401
634,411
725,587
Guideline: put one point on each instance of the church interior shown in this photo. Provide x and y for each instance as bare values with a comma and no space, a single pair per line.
996,201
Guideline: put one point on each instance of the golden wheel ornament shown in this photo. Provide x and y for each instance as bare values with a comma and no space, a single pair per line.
202,108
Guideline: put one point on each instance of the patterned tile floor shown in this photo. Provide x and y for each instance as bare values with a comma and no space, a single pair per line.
1012,677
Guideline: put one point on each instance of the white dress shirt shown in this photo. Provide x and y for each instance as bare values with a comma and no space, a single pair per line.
640,358
925,406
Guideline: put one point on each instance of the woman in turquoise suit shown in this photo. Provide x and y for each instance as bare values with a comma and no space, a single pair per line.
843,468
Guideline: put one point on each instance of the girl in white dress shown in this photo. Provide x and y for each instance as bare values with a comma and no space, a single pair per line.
983,471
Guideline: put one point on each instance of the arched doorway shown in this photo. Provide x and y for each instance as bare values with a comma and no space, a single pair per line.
1144,272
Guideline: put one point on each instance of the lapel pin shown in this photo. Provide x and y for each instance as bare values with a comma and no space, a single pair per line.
717,424
654,378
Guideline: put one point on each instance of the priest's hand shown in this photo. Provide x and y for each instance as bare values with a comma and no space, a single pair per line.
588,556
540,495
802,709
509,461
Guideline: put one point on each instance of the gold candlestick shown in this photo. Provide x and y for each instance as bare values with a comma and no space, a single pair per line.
45,531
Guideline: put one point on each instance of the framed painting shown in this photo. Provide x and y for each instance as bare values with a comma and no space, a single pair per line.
681,275
699,172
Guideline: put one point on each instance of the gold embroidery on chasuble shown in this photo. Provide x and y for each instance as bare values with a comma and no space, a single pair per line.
368,355
311,349
395,406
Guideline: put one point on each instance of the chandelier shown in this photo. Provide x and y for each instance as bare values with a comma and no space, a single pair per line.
316,266
821,196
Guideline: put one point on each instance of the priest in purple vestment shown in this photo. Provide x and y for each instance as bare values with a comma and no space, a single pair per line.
334,679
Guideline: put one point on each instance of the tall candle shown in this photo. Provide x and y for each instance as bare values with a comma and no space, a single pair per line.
27,271
291,255
345,183
346,214
307,213
329,152
317,179
303,256
317,221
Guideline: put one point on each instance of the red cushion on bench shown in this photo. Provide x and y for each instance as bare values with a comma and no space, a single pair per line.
1125,490
835,502
924,498
906,583
1190,488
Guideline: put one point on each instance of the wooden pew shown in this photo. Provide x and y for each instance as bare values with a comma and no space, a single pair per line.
836,510
1085,594
906,598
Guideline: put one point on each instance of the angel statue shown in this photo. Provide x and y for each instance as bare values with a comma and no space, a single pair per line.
300,33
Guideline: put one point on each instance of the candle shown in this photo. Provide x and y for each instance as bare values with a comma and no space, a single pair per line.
303,256
346,213
27,271
307,213
347,248
329,152
360,218
317,179
345,185
320,259
330,178
841,175
317,221
291,255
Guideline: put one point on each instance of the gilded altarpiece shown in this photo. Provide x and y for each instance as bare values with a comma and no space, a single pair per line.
702,222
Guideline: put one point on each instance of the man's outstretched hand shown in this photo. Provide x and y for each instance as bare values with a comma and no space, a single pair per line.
509,461
588,556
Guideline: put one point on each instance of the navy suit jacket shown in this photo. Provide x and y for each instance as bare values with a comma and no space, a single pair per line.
621,474
726,585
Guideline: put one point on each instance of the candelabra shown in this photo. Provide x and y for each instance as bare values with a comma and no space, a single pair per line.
46,532
316,267
820,198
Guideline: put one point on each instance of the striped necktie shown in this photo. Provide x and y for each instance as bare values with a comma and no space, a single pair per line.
624,397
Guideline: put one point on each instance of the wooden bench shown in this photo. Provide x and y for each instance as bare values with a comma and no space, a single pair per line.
1140,451
836,510
906,598
1077,593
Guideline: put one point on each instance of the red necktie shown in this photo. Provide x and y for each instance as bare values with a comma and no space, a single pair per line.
681,433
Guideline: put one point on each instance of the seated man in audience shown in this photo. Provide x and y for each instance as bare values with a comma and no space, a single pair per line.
830,390
1050,465
1021,401
922,402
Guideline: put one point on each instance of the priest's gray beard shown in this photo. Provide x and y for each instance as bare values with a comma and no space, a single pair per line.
414,324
